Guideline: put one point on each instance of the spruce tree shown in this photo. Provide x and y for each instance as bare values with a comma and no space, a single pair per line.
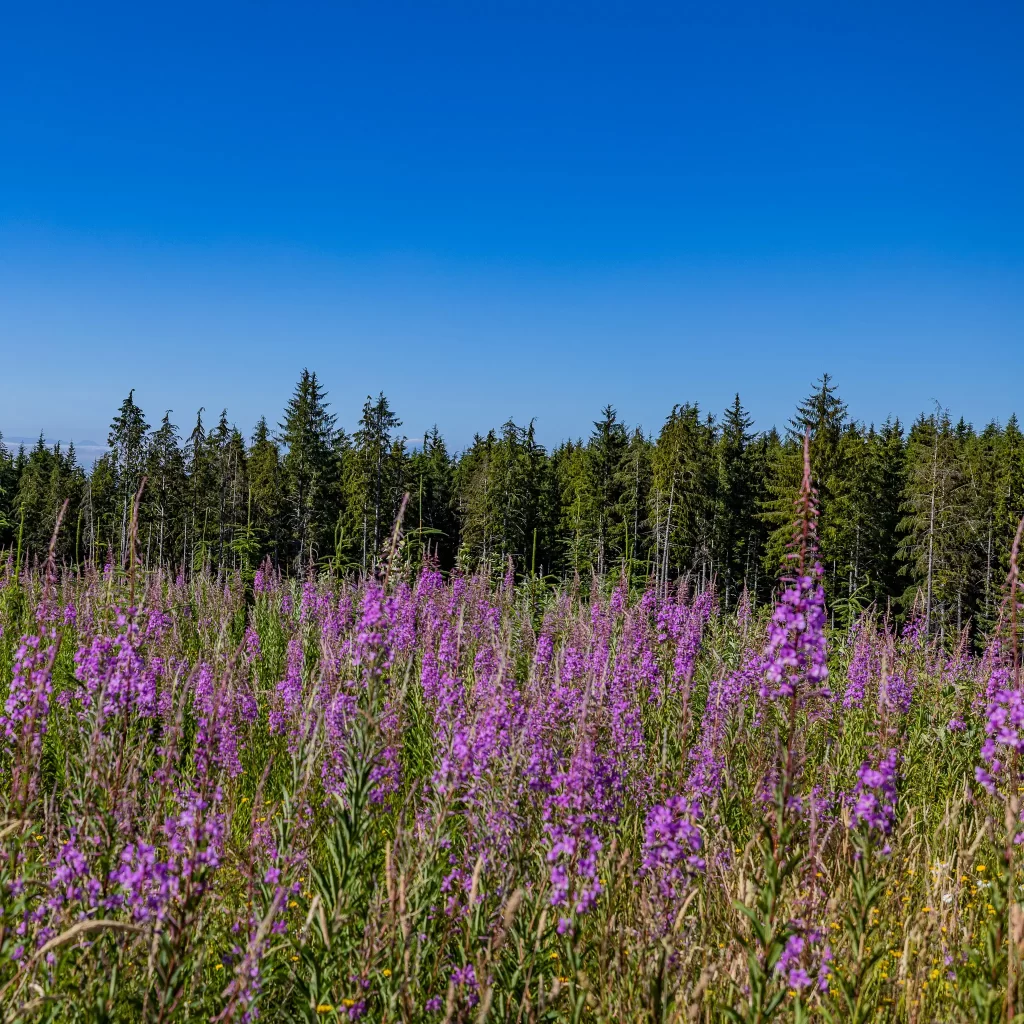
8,484
474,500
48,478
579,518
634,487
738,527
512,497
309,468
606,448
1008,487
165,498
266,493
201,484
430,519
684,495
376,476
127,443
886,486
939,531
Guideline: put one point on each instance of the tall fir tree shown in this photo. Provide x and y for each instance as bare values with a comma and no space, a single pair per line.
127,444
266,494
939,532
606,448
309,469
579,519
165,498
684,495
376,474
8,486
634,487
739,528
430,520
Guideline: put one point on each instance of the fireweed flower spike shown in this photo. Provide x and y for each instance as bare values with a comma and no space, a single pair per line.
25,719
796,657
672,845
873,801
1004,714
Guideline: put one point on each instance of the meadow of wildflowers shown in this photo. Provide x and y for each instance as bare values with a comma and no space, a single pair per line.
418,798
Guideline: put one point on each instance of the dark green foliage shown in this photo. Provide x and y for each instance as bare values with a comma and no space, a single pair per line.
741,532
48,478
310,470
921,518
430,523
374,478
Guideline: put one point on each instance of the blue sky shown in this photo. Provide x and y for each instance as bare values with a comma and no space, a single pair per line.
492,210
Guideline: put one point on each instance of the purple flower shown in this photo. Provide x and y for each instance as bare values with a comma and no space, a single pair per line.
797,961
898,693
862,668
1004,734
874,797
796,652
27,709
465,977
672,843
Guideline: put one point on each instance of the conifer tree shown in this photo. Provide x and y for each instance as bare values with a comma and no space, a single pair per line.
606,449
938,529
201,483
376,476
1008,488
430,519
165,497
309,470
8,485
473,499
886,485
48,478
739,529
99,507
266,493
684,495
127,443
512,498
542,506
634,487
578,493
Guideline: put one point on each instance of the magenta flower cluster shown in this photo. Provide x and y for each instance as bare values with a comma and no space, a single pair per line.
873,801
796,654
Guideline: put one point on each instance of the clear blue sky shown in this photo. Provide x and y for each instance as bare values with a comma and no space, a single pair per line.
492,210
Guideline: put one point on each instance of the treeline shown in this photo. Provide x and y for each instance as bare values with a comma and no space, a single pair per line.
923,515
